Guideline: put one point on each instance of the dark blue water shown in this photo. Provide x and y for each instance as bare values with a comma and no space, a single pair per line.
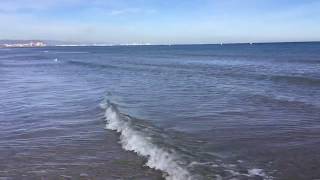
150,112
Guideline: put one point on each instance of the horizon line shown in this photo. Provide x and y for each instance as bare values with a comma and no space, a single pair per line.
65,43
180,44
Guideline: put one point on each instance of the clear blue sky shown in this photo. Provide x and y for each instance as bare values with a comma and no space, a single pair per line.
161,21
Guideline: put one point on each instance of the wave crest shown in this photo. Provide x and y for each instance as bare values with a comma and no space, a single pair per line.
139,142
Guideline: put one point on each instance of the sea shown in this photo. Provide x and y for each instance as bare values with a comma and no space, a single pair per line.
162,112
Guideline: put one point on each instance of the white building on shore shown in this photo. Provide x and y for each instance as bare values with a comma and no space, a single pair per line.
28,44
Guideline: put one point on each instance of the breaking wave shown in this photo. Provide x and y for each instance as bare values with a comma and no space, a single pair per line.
141,139
131,139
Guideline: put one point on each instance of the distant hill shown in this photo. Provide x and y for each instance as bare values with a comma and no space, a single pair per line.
54,43
16,41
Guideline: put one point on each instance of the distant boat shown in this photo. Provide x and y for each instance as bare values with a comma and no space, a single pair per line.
55,60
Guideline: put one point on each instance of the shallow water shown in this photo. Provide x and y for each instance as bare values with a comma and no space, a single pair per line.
190,112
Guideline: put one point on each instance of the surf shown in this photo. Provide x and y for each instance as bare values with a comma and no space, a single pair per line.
141,143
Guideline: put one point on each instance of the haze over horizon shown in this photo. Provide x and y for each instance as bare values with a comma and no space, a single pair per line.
161,22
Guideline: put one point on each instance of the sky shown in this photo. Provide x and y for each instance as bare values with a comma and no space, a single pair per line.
161,21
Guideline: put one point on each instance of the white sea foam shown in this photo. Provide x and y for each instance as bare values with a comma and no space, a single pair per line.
157,157
136,141
256,172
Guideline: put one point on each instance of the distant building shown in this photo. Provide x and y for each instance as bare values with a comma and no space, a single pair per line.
24,44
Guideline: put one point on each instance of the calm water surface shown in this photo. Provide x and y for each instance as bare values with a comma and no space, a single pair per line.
153,112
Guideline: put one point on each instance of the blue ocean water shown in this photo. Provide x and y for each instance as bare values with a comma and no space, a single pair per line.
235,111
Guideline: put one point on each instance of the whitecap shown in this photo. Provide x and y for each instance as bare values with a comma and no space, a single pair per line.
158,158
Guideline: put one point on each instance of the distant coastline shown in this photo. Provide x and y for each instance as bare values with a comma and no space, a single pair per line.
21,43
50,43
